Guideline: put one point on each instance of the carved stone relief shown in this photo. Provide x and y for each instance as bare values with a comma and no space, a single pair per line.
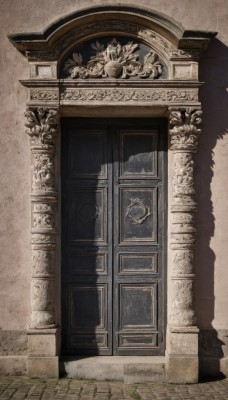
114,61
43,173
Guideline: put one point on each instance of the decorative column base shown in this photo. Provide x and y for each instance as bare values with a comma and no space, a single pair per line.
182,356
43,350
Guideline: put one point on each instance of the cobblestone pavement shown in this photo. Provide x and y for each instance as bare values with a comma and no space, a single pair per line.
71,389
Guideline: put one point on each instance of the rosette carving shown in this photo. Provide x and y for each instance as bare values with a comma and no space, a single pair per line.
114,61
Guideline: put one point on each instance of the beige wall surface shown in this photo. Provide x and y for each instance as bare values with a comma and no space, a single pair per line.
212,160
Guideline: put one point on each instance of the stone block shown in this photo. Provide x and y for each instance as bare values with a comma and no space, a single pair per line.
144,372
182,369
43,367
183,343
42,345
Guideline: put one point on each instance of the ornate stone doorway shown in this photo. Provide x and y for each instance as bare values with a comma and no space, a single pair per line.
133,62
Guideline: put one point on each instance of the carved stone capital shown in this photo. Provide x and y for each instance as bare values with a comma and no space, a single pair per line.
185,128
42,124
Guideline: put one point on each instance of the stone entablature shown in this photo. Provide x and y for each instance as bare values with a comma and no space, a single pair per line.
173,95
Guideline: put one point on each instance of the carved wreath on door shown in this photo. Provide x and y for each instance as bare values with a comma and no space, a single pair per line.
114,61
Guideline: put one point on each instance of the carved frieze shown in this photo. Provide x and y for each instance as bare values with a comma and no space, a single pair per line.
44,95
126,94
42,126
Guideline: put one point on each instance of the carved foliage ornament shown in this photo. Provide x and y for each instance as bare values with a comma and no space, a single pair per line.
114,61
42,125
185,131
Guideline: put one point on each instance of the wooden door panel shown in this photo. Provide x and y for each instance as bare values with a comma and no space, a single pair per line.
133,263
87,262
113,237
87,217
138,215
138,154
87,154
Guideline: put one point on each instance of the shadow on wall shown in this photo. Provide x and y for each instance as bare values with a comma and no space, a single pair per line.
214,96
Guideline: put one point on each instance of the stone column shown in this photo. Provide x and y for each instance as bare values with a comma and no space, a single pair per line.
42,125
183,332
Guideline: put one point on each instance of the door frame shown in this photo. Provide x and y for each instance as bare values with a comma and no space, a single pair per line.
176,98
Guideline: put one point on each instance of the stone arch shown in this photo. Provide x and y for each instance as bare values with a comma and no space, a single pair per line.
175,97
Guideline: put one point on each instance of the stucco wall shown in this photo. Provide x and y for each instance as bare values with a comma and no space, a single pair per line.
212,160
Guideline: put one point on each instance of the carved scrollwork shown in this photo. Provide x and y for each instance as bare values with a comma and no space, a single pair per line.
114,61
185,128
42,126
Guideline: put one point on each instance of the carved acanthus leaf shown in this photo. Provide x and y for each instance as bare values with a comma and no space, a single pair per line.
42,125
114,61
185,128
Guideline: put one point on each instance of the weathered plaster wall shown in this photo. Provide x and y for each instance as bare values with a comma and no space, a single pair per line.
212,160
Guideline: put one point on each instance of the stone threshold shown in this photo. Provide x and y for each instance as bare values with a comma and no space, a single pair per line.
129,369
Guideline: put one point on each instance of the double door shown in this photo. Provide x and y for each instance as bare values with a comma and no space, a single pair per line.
113,236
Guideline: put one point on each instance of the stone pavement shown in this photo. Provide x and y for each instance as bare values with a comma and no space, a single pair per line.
18,388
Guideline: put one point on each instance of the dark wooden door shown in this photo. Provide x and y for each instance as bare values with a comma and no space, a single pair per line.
113,236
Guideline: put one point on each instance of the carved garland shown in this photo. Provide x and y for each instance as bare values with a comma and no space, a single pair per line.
42,129
184,140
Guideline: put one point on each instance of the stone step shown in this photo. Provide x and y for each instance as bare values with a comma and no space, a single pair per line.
129,369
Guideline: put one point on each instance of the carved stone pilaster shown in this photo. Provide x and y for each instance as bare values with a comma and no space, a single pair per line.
42,125
184,132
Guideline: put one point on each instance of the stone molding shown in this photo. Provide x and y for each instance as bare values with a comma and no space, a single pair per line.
184,131
42,124
152,27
